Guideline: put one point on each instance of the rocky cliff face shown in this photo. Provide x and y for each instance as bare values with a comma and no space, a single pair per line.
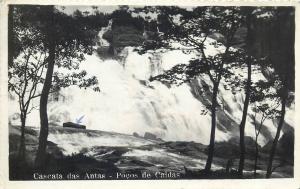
123,31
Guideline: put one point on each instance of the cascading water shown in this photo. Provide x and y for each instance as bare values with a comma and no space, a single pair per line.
129,103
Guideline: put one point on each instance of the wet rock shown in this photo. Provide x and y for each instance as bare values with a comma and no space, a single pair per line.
74,125
286,144
150,136
136,134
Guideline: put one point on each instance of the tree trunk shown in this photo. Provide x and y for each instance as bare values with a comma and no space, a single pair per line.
11,46
213,128
275,141
243,122
41,153
256,156
21,153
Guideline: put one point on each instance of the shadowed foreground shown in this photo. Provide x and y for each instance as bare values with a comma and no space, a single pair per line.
95,155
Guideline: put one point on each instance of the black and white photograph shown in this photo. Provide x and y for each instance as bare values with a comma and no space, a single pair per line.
159,92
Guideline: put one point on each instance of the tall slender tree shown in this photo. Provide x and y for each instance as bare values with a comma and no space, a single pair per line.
285,68
247,18
60,40
26,65
29,47
267,111
50,43
277,48
191,29
67,39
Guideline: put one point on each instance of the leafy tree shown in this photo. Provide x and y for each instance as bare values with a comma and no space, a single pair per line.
258,22
266,104
47,38
283,60
191,29
67,39
26,67
247,18
276,46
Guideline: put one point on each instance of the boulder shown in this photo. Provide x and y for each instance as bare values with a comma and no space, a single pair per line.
74,125
136,134
150,136
286,145
284,148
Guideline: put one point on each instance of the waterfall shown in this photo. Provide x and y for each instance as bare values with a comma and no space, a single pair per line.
129,103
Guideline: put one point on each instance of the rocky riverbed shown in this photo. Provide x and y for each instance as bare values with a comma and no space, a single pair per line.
96,152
